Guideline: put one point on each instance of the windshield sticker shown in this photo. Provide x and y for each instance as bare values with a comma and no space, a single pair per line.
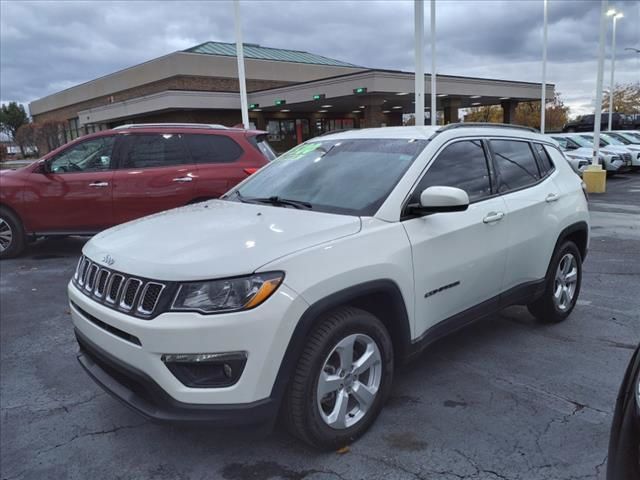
300,151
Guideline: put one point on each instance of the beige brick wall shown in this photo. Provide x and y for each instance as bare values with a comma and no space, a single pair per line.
180,82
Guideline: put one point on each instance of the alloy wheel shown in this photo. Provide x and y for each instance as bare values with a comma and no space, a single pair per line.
566,280
349,381
6,235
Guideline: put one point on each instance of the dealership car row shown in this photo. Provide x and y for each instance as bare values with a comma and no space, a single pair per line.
114,176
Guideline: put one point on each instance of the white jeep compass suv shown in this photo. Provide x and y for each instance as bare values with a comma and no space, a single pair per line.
301,289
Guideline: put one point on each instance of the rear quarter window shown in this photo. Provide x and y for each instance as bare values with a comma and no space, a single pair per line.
212,148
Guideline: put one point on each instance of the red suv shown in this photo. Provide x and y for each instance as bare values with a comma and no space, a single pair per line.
114,176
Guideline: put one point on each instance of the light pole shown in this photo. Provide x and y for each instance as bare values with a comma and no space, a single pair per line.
543,99
615,15
240,56
434,111
418,14
594,177
598,110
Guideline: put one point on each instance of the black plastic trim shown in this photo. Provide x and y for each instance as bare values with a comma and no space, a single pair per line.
105,326
518,295
140,393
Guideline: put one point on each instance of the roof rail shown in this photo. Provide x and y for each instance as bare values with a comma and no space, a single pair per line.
451,126
171,125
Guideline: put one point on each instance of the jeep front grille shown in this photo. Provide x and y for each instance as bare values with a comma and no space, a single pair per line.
116,290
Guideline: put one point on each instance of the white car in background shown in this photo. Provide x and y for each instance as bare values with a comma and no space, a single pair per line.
613,163
628,137
611,144
579,157
627,141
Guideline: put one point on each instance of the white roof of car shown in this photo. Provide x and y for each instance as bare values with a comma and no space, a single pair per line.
427,132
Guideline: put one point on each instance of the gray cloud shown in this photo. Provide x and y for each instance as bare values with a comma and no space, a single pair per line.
49,46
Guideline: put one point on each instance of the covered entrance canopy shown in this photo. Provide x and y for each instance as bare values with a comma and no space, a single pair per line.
374,98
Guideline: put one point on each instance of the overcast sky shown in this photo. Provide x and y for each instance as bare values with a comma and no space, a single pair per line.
47,46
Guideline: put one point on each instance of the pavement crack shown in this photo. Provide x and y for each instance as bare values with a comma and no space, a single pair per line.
393,465
91,434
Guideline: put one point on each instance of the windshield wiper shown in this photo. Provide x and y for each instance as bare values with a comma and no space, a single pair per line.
275,200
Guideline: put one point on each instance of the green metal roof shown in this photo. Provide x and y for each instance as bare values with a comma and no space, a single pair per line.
252,50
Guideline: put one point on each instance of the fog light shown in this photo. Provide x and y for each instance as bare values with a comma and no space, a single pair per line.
206,370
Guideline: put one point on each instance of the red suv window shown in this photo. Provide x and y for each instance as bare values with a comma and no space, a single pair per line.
212,148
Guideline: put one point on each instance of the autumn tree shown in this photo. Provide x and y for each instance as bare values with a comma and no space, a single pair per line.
12,117
626,98
527,113
50,134
27,136
486,113
556,115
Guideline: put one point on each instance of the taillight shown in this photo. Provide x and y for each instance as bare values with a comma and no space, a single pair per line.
250,171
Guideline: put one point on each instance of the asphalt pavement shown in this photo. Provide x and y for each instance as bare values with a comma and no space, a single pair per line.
506,398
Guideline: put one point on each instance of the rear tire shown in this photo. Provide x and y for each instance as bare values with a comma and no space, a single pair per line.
12,237
562,285
342,379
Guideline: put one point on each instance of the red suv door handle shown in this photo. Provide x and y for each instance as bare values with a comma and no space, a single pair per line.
183,179
99,184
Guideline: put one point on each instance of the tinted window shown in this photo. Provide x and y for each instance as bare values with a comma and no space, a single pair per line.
516,164
462,165
340,176
545,163
213,148
153,150
89,156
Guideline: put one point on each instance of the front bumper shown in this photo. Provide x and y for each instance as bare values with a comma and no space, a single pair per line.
139,392
138,345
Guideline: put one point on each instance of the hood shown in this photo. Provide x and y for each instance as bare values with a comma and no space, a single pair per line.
582,152
214,239
615,149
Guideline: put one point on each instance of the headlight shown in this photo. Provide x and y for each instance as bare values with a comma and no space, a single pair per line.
227,295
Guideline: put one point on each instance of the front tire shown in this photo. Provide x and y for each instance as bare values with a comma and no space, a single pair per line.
562,285
12,238
342,379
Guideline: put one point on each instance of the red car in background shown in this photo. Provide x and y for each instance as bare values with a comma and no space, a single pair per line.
114,176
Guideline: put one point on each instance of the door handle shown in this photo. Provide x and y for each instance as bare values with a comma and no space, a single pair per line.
552,197
493,217
183,179
99,184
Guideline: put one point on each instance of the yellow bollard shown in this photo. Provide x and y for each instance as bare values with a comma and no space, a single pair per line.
595,178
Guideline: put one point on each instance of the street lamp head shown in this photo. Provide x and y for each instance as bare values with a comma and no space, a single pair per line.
611,11
619,15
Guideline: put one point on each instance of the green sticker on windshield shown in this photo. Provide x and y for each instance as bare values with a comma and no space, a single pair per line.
300,151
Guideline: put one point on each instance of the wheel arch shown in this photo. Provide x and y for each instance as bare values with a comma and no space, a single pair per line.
578,233
382,298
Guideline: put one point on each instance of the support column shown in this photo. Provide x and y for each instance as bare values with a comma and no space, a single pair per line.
373,116
451,107
508,111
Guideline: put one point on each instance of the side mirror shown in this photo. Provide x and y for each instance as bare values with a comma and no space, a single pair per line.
440,200
571,147
43,167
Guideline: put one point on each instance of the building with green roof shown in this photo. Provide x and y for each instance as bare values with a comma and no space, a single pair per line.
293,95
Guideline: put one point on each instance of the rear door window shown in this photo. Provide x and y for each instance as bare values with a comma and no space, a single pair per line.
213,148
153,150
516,164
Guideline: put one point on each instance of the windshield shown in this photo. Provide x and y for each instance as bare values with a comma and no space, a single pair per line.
582,141
611,140
352,177
562,141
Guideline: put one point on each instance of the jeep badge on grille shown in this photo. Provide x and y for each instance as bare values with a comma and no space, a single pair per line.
108,260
